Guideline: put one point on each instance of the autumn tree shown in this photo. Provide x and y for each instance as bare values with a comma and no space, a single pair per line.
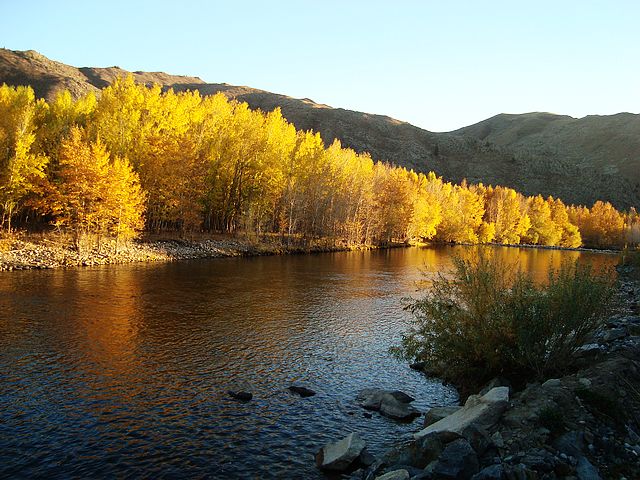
21,168
94,195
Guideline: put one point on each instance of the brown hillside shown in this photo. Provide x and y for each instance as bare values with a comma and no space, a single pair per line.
577,160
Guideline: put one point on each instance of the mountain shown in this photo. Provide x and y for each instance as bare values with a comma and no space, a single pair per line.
578,160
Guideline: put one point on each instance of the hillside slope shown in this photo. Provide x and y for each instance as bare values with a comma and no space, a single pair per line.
608,145
533,153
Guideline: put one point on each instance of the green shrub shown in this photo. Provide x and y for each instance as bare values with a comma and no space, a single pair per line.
489,319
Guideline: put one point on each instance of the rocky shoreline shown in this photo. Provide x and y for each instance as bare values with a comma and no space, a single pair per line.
46,252
583,426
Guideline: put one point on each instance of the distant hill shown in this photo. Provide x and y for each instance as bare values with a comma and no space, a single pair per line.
579,160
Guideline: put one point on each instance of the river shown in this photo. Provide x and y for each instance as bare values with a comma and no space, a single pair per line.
122,371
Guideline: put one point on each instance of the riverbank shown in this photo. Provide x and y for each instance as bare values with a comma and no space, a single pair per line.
583,426
47,251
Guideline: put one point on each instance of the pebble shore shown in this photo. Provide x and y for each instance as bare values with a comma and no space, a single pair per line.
44,253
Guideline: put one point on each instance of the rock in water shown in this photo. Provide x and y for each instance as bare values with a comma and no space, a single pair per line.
304,392
371,398
340,455
481,412
243,396
392,408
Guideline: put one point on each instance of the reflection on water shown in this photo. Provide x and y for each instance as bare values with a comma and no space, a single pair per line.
123,370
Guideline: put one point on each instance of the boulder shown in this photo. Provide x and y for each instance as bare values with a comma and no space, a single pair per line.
480,411
586,471
304,392
371,398
397,410
588,350
395,475
457,461
339,456
495,382
492,472
417,453
438,413
240,395
614,334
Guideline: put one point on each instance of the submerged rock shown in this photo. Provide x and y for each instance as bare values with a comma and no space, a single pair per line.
339,456
304,392
240,395
397,410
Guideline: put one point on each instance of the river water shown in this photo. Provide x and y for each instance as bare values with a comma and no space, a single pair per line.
122,371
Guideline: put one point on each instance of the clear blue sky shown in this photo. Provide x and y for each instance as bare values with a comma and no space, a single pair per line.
437,64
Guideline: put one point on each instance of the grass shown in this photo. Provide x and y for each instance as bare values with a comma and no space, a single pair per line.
489,319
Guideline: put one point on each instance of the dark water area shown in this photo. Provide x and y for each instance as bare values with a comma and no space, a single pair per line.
122,371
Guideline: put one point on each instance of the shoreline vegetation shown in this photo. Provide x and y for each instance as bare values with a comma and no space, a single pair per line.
48,251
137,160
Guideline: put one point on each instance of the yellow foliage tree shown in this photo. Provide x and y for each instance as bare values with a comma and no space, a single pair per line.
21,169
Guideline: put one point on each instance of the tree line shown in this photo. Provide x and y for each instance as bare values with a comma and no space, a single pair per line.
142,159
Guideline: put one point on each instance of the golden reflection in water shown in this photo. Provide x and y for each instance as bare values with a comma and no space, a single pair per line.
105,309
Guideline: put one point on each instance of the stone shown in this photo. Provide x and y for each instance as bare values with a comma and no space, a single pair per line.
436,414
392,408
366,459
632,435
552,383
497,440
371,398
571,443
339,456
614,334
492,472
479,439
480,411
457,461
495,382
395,475
586,471
584,382
417,453
539,460
588,350
418,366
240,395
304,392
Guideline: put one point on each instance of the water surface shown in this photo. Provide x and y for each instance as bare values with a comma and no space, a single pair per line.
122,371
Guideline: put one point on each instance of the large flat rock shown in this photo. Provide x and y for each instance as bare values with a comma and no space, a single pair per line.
340,455
479,411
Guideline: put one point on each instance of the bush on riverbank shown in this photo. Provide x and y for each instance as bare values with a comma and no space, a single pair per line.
489,319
